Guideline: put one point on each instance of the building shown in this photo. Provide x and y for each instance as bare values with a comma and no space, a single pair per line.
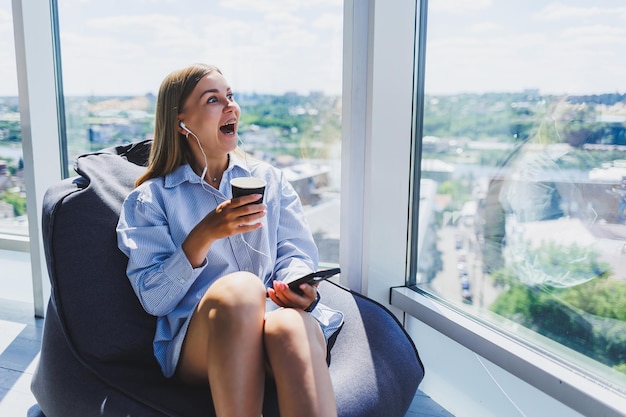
474,368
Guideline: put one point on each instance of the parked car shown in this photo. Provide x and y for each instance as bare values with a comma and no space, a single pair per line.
466,296
465,284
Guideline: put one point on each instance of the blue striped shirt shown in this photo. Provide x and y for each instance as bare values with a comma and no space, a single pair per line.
158,215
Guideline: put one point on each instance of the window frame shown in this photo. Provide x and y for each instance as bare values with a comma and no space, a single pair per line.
376,142
571,386
33,24
568,385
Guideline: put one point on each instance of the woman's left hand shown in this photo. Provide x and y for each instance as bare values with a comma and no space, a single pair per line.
284,297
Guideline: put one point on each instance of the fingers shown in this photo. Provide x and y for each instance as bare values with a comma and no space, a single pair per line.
238,202
238,215
284,297
246,199
272,294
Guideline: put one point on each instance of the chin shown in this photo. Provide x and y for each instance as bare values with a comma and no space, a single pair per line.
231,146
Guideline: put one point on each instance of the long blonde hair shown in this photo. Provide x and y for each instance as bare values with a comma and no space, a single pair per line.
169,148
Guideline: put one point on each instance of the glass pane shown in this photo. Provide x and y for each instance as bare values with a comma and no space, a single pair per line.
13,219
524,158
283,59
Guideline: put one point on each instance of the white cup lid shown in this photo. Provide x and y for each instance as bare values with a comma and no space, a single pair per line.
248,182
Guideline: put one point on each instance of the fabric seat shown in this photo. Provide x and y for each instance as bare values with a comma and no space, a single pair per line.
96,356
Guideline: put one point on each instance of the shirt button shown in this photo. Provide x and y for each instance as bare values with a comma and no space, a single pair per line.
182,280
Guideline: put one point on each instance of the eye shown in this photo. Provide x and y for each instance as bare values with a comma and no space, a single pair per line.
230,96
212,99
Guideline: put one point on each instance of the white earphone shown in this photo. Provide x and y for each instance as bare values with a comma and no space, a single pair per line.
182,124
204,171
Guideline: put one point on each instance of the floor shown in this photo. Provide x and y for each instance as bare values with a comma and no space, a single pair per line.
20,339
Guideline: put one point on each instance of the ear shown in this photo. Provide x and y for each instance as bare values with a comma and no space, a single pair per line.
182,129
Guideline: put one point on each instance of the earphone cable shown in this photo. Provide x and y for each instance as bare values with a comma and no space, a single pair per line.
206,167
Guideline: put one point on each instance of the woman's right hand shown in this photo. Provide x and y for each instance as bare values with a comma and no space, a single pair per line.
235,216
229,218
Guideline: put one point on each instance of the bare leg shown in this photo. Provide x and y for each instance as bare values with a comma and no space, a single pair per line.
224,345
296,351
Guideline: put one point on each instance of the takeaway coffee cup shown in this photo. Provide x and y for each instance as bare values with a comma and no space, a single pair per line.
248,185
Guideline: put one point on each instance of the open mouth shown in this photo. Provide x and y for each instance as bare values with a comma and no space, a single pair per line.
228,128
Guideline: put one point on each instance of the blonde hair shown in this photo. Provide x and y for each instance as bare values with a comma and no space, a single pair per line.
169,148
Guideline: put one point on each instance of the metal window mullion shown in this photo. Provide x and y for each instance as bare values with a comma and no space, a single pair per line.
33,26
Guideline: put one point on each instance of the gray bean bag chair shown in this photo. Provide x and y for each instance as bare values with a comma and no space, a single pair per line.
96,355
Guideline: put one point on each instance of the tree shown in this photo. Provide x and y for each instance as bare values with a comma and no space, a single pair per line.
577,302
17,201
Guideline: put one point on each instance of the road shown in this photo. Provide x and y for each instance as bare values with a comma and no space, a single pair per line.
462,260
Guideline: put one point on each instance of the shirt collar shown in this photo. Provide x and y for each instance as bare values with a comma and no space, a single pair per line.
185,173
238,161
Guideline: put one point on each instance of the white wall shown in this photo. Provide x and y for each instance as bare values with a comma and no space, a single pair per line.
468,385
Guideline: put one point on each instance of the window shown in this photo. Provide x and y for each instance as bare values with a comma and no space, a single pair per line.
283,59
522,174
13,221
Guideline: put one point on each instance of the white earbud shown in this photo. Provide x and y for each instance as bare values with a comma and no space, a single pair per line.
182,124
206,167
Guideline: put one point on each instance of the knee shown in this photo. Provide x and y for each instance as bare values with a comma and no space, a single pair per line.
241,292
244,284
289,327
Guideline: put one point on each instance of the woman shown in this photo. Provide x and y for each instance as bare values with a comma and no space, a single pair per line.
203,262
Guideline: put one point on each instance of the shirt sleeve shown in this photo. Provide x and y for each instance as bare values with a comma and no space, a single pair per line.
296,252
158,270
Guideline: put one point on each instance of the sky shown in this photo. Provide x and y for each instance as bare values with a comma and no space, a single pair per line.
558,47
127,47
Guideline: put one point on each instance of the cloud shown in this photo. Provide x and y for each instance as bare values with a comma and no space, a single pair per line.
599,34
135,23
484,27
561,62
6,18
458,6
558,11
127,47
138,51
328,21
556,47
283,17
275,5
8,72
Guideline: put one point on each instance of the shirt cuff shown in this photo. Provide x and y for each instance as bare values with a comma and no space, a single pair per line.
312,306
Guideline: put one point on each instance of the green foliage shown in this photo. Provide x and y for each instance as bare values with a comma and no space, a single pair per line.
10,131
620,368
457,190
470,115
16,200
301,125
514,302
612,341
555,268
453,188
589,317
602,298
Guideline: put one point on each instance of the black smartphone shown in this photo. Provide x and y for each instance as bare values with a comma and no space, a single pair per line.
312,278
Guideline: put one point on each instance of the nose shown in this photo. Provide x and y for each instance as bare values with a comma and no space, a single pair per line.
230,106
